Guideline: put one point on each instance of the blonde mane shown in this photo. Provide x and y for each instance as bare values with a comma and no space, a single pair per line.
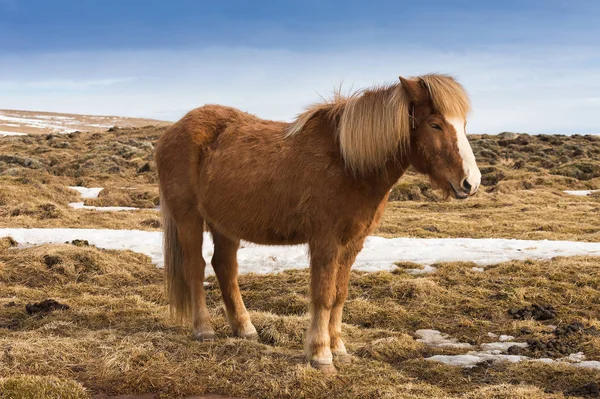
374,124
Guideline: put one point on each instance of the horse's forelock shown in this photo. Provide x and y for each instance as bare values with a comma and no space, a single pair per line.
448,96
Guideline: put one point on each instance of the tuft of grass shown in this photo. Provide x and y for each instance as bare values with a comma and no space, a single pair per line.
36,387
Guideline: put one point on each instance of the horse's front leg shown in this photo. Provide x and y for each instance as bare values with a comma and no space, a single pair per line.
345,261
323,274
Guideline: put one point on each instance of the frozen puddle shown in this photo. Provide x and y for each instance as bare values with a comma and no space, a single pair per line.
581,193
93,192
378,254
490,352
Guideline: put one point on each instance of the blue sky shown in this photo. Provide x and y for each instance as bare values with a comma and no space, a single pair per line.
530,66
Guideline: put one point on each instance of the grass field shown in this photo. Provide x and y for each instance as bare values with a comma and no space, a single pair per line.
116,336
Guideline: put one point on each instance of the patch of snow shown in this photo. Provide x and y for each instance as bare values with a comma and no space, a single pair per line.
486,251
56,124
588,364
492,335
478,269
575,357
425,270
506,338
5,133
87,192
471,359
378,254
437,339
93,192
81,205
580,193
501,346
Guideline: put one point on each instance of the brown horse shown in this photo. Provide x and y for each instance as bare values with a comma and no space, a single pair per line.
323,180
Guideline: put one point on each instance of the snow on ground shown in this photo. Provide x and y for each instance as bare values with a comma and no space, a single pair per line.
80,205
494,351
5,133
580,193
54,124
437,339
87,192
506,338
92,192
46,122
472,358
378,254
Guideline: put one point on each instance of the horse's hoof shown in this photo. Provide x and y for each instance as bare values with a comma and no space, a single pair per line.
325,368
205,336
253,336
343,358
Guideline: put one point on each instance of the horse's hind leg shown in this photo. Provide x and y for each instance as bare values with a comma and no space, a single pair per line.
224,262
190,233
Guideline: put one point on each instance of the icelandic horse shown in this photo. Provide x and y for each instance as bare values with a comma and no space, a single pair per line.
323,179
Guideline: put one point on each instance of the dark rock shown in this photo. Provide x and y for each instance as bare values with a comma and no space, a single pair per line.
545,315
515,350
51,260
80,243
144,168
535,311
46,306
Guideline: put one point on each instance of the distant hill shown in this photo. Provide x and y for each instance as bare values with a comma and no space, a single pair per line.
13,122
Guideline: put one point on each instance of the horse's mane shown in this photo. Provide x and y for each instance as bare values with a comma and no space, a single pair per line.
373,124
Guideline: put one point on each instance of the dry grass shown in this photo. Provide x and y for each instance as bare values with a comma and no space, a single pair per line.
117,337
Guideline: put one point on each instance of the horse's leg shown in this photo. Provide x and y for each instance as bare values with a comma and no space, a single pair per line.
323,270
345,261
190,233
224,262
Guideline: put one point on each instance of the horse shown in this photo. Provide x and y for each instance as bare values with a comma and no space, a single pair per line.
321,180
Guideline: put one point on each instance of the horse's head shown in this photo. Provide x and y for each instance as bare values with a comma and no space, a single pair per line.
438,143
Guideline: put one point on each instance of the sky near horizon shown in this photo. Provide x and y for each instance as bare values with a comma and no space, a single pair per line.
529,66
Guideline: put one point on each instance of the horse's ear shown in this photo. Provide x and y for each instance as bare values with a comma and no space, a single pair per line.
416,89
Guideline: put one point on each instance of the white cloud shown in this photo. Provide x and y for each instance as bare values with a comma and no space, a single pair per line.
526,90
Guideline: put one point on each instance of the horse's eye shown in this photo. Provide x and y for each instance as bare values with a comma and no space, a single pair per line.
436,126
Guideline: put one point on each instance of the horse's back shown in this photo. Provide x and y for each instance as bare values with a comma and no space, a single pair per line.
250,180
214,156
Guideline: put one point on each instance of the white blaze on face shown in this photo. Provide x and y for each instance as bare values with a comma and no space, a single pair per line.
472,172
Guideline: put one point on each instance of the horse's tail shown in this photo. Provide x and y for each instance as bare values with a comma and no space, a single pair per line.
177,289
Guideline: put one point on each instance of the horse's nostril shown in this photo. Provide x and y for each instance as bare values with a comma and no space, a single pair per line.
466,185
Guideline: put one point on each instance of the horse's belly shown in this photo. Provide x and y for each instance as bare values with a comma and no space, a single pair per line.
254,220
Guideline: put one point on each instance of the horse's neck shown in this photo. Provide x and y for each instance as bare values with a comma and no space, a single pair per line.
383,180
